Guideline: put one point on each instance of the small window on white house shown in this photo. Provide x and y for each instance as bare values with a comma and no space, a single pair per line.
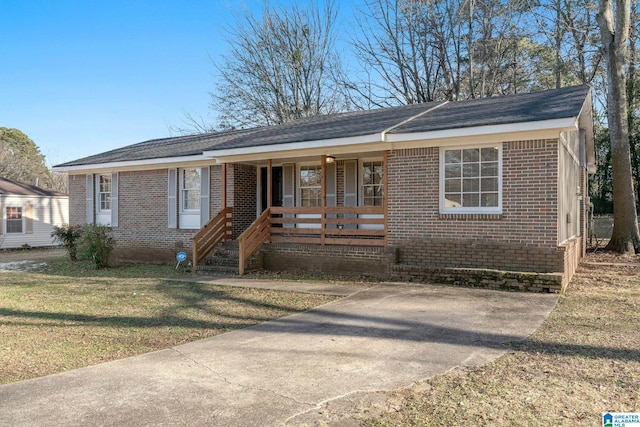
190,180
104,193
470,180
310,185
14,220
372,183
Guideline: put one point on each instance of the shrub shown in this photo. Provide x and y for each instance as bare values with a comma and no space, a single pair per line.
68,236
96,244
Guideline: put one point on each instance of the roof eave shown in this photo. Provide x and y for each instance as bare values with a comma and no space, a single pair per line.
362,143
518,130
145,164
386,141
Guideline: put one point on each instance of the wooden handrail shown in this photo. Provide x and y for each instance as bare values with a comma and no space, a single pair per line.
252,238
216,231
340,225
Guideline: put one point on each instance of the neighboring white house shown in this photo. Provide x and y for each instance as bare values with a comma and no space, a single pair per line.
28,214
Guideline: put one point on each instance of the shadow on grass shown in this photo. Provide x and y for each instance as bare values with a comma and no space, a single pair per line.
323,322
579,350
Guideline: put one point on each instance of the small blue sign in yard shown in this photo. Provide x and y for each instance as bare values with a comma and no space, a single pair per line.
180,256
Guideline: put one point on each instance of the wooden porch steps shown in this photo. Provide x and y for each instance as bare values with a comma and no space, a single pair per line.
224,259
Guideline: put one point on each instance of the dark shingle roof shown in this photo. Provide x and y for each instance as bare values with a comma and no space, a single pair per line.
530,107
331,126
15,188
180,146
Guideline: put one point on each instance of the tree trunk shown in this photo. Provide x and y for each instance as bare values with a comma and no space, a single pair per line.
615,32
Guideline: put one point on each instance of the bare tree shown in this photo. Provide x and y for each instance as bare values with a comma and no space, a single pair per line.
570,29
614,31
409,52
278,68
425,50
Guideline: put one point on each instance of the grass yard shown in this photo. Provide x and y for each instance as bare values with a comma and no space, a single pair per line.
584,360
63,315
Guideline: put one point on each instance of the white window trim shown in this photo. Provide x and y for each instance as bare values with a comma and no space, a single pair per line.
299,167
98,197
470,210
181,190
361,178
5,218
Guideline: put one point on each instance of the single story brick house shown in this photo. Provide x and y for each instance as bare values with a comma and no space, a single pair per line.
491,192
28,214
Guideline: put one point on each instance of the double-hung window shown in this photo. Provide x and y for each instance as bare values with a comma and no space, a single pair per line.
188,197
190,189
14,220
310,186
470,179
104,193
372,183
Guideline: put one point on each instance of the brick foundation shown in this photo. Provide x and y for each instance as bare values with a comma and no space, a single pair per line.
481,278
336,260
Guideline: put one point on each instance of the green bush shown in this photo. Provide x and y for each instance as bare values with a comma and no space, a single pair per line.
68,236
96,244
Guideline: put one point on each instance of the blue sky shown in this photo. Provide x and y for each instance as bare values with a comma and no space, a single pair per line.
80,77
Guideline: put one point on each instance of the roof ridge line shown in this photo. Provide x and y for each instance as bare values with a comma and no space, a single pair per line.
405,121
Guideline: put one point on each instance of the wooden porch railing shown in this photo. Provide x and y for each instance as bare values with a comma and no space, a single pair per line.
216,231
340,225
252,238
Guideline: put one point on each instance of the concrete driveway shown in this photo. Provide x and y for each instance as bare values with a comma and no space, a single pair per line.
380,338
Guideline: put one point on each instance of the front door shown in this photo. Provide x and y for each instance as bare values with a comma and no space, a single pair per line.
276,189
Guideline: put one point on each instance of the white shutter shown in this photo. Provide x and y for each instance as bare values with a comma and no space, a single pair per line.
172,207
114,199
1,217
288,187
330,170
89,200
205,190
350,187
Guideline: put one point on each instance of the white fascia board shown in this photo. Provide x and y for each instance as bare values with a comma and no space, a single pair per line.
296,155
294,149
165,162
495,133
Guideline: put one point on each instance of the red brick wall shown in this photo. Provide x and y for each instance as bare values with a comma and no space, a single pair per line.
143,232
77,199
522,238
244,196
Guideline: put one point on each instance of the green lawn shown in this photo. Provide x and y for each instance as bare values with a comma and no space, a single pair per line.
66,315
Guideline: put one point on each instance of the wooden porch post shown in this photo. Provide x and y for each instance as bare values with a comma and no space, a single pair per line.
385,189
224,186
269,194
323,197
269,183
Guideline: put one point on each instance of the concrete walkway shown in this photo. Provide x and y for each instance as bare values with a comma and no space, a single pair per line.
384,337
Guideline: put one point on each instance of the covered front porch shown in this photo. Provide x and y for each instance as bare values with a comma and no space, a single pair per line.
320,200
